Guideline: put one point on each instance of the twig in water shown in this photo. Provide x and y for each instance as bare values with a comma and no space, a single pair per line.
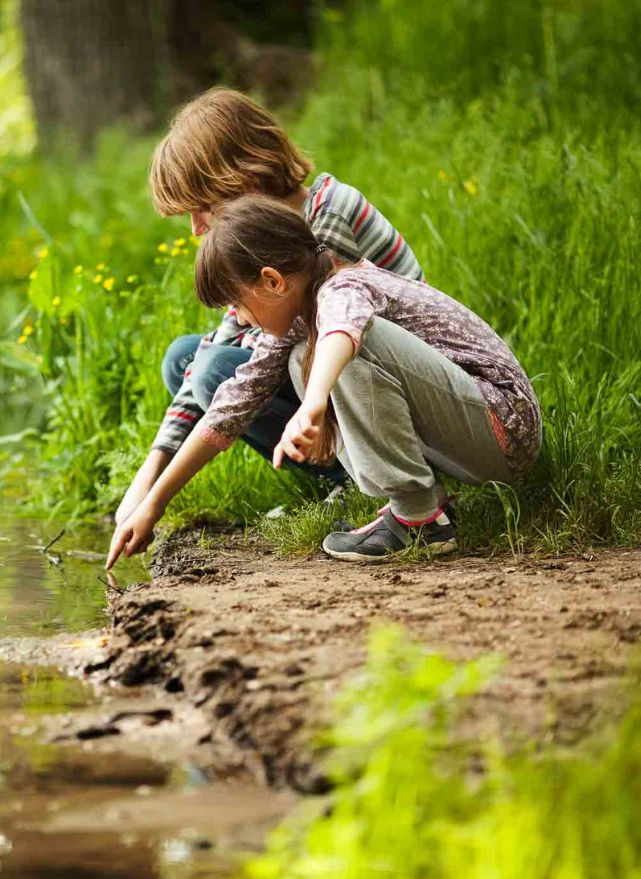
111,583
52,541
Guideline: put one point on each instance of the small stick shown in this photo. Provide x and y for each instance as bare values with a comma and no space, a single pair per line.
109,585
51,542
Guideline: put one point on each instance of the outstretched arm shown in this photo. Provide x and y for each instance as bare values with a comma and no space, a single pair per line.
136,533
141,485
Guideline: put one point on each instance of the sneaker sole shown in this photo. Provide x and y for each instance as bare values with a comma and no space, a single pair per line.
435,549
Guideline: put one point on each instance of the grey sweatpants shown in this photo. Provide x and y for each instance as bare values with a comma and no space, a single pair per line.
403,408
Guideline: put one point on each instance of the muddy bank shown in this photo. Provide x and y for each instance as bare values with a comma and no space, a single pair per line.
230,657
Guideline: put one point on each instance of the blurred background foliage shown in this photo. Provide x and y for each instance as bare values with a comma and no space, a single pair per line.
502,139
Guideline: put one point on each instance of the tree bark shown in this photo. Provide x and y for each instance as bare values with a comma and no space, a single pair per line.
90,63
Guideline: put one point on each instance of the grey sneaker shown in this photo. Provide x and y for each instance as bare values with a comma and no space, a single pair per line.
387,536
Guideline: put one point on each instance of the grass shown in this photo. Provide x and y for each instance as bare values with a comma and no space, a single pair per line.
413,799
509,159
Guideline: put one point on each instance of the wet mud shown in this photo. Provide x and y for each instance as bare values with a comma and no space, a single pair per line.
230,658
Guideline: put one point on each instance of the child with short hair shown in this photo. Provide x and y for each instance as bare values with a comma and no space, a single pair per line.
394,377
221,145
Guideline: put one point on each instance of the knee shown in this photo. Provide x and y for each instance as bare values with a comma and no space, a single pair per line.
211,367
295,365
177,358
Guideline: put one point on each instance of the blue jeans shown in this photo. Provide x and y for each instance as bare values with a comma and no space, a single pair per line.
211,366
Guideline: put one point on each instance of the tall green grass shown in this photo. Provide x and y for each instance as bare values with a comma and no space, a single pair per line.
504,141
413,799
106,285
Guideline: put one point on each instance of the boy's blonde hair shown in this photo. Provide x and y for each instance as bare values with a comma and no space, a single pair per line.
221,145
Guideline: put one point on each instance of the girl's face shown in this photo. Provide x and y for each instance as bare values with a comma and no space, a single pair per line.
273,302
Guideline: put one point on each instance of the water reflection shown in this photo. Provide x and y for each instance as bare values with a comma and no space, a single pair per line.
63,590
71,812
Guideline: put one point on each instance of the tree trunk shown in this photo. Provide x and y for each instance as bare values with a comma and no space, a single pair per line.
90,63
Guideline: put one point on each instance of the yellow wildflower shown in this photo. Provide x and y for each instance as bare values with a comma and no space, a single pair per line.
63,321
131,279
163,248
44,251
33,275
56,301
97,279
184,251
78,270
22,340
442,176
108,283
470,186
27,331
194,240
179,242
174,251
101,267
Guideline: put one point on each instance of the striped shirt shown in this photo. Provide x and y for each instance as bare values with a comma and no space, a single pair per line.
352,229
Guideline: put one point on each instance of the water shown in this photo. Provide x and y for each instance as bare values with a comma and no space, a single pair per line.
68,812
60,591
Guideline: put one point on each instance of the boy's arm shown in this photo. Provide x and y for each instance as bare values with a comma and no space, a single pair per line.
236,403
135,534
141,484
179,420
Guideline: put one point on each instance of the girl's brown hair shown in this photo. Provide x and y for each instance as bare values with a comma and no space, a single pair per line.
248,234
221,145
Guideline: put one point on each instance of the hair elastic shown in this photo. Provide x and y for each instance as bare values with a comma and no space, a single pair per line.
320,249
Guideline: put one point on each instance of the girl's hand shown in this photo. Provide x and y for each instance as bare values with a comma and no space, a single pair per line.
300,432
135,533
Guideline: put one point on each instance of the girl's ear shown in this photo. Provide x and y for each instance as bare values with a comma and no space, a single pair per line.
273,280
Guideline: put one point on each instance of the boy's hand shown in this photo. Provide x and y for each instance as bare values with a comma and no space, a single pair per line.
300,432
135,533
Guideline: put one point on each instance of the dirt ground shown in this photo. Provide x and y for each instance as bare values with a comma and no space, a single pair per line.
231,657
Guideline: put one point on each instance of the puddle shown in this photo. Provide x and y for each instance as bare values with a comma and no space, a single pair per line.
62,590
66,811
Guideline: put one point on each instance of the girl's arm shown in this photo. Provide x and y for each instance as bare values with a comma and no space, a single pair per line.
136,533
331,356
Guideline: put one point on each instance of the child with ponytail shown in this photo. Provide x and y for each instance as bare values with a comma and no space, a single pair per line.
394,377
